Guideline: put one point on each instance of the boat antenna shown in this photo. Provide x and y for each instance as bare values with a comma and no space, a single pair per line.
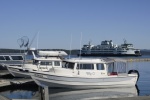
70,46
80,45
90,42
125,41
37,41
32,41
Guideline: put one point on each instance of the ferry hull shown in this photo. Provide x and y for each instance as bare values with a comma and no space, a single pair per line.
110,55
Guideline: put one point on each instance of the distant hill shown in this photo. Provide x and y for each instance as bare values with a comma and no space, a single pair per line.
145,51
73,52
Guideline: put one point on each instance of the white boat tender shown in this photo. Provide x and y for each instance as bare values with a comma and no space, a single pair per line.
88,73
48,60
52,53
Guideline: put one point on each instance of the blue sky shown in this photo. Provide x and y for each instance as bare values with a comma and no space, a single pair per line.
57,20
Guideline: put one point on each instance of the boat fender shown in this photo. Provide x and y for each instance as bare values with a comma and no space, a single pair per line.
134,71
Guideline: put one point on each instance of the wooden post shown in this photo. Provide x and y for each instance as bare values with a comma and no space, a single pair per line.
44,93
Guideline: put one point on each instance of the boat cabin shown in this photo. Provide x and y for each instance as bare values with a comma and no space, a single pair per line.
45,63
96,67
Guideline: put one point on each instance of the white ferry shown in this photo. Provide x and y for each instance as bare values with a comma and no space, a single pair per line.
107,48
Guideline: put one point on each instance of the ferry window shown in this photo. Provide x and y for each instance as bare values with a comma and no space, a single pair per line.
7,57
57,63
46,63
2,58
17,57
100,66
85,66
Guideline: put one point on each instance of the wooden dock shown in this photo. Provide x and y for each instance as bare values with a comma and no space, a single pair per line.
7,82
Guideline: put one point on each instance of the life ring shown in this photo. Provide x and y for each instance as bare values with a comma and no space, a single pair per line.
134,71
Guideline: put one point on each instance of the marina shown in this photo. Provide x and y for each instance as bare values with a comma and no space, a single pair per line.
143,85
74,50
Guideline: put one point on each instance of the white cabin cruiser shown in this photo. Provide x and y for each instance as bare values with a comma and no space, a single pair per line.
45,61
88,73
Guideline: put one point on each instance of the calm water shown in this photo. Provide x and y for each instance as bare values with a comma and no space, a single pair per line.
31,91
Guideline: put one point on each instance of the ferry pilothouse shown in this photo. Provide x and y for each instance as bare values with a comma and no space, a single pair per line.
107,48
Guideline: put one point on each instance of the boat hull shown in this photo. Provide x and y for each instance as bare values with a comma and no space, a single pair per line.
16,72
83,83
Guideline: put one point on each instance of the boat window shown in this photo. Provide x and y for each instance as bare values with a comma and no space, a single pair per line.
2,58
100,66
63,64
85,66
7,57
111,67
17,57
35,61
68,65
46,63
56,63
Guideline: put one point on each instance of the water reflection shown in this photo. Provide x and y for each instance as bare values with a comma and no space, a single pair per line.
32,92
69,94
20,91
